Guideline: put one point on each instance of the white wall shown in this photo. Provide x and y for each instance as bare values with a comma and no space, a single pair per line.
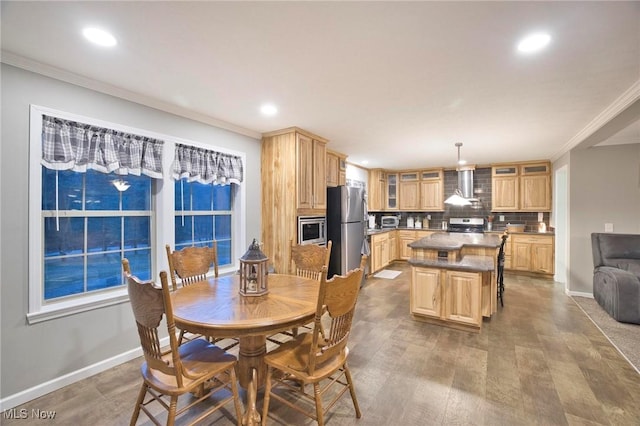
604,187
53,349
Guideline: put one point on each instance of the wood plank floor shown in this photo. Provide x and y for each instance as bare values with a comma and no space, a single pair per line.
538,361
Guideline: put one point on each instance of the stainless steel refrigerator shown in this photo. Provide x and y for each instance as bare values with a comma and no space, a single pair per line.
346,216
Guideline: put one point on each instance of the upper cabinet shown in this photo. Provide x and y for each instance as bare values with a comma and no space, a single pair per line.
521,187
391,191
422,190
311,172
376,190
336,168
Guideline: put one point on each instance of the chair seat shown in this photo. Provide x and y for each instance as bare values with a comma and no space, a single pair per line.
199,358
292,356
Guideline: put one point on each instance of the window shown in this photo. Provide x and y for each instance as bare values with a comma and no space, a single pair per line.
84,219
203,215
94,225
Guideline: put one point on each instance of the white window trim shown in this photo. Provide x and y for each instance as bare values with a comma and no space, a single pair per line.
162,221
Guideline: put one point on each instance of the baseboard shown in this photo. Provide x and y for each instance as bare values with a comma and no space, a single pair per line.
580,294
52,385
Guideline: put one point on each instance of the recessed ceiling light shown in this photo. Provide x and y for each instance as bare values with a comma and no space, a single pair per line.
364,162
99,37
269,109
534,42
462,162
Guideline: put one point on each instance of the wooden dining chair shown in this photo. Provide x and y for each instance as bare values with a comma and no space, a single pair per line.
311,358
197,369
307,261
189,265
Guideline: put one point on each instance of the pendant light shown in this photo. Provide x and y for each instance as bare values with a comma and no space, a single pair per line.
457,198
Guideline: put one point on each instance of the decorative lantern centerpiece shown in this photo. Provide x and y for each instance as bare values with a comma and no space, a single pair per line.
253,271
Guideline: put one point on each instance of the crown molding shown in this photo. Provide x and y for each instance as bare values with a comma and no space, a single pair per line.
99,86
624,101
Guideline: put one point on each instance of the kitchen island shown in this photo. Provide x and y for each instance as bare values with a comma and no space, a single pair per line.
453,279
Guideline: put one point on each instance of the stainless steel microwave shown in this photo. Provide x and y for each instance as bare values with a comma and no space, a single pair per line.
312,230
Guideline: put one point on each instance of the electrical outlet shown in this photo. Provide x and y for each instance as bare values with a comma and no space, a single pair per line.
540,217
501,218
608,227
428,217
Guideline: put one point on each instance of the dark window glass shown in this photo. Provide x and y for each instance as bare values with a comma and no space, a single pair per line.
201,196
100,192
138,195
69,190
104,271
67,239
103,234
222,197
137,232
223,227
63,276
183,227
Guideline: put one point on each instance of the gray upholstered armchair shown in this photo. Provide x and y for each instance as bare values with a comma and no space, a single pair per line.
616,275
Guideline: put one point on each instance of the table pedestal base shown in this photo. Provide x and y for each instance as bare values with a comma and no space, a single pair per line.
252,374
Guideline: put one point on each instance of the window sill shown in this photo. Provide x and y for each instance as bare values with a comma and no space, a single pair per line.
71,307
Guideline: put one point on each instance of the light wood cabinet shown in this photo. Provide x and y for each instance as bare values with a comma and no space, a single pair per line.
521,187
447,295
380,251
391,191
393,246
335,168
311,172
405,238
421,191
530,253
432,190
293,179
376,190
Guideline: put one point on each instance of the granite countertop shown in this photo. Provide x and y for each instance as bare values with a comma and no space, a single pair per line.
471,263
454,241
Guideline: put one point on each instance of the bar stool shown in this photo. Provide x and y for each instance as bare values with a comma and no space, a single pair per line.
500,274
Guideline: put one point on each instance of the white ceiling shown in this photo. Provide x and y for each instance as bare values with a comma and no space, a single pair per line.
397,84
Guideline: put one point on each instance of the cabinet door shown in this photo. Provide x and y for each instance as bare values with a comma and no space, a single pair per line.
385,252
536,193
409,195
305,172
392,191
463,297
393,246
542,258
333,169
319,175
504,193
521,256
431,195
375,191
425,292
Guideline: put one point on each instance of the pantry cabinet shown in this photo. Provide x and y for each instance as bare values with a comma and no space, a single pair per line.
521,187
293,183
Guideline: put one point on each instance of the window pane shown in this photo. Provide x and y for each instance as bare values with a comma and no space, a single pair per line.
137,232
100,192
138,196
183,229
104,271
203,228
201,196
103,233
222,197
140,262
68,240
224,252
69,190
223,227
63,276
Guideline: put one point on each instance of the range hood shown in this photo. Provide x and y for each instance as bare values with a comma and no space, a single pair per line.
463,195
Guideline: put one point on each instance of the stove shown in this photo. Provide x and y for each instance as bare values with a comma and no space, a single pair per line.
466,225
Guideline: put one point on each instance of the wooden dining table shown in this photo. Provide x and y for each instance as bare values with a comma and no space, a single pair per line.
215,308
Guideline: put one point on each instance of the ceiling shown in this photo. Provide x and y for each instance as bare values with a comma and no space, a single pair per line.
394,83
